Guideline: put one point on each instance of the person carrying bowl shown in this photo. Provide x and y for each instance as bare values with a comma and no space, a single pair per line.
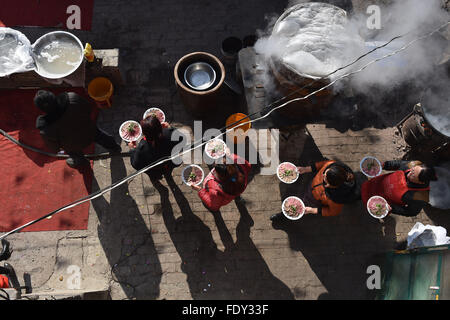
406,189
156,144
67,125
334,184
226,182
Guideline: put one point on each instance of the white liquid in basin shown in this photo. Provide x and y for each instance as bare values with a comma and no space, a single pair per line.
58,57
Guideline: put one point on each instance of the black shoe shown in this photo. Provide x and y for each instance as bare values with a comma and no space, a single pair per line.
12,276
276,217
6,252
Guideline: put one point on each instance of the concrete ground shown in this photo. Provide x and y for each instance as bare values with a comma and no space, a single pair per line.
159,242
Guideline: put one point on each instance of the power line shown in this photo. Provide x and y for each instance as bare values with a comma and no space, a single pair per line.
162,160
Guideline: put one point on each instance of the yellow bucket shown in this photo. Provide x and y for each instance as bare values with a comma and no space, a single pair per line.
240,132
101,90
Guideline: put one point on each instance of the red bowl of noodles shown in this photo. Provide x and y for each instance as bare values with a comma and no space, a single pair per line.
193,175
293,208
287,172
158,113
377,207
130,131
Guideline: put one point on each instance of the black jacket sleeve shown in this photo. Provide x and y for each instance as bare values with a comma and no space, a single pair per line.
412,207
138,156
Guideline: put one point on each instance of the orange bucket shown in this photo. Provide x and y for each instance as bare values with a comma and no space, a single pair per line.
240,132
101,90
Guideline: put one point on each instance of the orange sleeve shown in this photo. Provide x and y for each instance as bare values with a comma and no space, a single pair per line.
320,164
331,209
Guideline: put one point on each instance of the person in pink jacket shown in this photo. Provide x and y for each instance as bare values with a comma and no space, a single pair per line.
224,183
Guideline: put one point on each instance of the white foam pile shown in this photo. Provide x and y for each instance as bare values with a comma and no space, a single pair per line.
14,52
314,39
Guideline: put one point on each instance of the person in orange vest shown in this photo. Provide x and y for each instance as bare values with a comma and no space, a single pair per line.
406,189
333,185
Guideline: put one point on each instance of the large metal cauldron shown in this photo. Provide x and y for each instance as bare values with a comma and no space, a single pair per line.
288,80
423,131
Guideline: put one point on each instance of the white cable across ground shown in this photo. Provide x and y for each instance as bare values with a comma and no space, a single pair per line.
122,181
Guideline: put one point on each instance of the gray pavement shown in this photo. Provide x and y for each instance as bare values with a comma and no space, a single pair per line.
159,242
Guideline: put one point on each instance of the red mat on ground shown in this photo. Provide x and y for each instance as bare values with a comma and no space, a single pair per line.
31,184
47,13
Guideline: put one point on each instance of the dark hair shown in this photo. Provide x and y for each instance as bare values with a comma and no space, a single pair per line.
221,169
46,101
336,176
232,184
151,128
427,174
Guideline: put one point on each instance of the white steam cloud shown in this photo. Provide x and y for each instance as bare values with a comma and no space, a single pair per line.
440,189
316,40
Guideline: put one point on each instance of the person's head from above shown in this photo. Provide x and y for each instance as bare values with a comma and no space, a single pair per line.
421,174
335,176
226,170
151,128
46,101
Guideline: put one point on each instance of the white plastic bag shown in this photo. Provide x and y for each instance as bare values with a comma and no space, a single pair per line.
427,236
15,53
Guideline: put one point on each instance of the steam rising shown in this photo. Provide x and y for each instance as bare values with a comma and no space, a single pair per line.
440,189
316,39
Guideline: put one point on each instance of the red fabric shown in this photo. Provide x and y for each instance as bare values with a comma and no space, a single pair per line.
32,184
391,187
215,198
4,282
45,13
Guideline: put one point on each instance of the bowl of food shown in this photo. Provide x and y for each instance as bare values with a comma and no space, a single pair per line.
293,208
216,149
193,175
130,131
287,172
370,166
377,207
158,113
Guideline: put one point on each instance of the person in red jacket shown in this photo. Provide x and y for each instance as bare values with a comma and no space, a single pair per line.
406,189
225,182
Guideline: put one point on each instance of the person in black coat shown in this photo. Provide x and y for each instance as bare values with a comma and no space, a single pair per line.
67,126
156,145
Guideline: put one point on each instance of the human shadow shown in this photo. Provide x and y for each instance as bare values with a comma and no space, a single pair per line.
126,239
440,217
239,272
338,249
376,107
